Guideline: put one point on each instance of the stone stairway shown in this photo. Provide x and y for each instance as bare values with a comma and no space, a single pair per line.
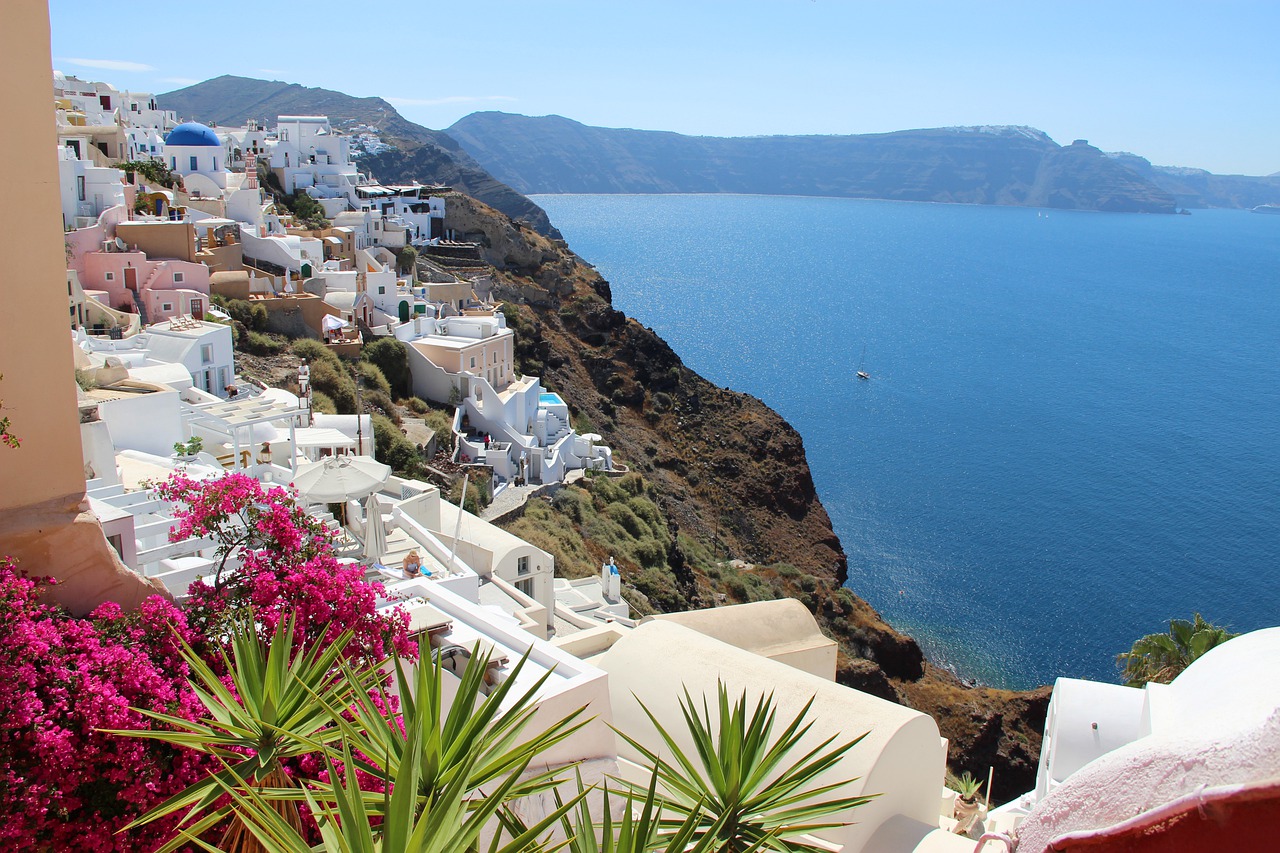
142,309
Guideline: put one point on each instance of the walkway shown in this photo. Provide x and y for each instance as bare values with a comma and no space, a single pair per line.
513,497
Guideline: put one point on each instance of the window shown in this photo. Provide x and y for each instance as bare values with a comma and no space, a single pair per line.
80,186
111,276
194,167
177,278
173,163
473,361
166,306
522,565
382,289
525,587
206,353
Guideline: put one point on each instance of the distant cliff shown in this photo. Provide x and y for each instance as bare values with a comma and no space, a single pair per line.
1198,188
972,165
427,155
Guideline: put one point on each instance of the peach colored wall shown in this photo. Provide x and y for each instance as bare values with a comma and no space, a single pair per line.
44,519
313,310
159,240
179,302
231,287
222,258
98,264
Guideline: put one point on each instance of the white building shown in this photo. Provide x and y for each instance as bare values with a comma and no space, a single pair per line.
194,151
87,190
1121,763
88,103
510,424
203,350
309,155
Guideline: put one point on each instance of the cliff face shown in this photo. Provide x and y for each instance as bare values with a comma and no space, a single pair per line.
975,165
730,474
1198,188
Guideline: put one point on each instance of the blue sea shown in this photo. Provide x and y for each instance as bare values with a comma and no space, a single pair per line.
1071,432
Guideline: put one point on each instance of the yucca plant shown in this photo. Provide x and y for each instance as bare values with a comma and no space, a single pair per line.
450,820
444,772
742,788
638,831
478,738
277,710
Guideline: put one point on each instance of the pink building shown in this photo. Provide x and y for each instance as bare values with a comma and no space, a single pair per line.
166,288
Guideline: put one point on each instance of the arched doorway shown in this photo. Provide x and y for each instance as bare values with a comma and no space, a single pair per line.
404,311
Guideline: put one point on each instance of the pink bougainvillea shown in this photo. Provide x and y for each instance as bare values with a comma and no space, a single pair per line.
287,567
64,784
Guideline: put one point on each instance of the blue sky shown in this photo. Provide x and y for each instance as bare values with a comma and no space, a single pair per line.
1181,83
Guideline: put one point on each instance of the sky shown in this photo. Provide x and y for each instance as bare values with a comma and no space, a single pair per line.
1180,83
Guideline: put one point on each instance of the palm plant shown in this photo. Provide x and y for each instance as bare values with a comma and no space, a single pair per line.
276,709
740,787
443,771
450,821
1161,657
638,831
478,736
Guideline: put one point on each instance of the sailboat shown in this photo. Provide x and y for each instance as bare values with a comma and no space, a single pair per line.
862,374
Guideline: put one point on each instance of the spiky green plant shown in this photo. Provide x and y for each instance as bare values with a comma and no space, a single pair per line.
967,786
1162,657
451,820
278,710
741,786
479,734
444,767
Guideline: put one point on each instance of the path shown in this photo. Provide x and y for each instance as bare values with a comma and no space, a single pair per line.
513,497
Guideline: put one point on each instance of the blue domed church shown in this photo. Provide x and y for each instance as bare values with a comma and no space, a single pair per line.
195,152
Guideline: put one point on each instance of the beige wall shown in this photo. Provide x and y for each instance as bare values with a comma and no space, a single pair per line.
160,240
229,283
43,509
228,258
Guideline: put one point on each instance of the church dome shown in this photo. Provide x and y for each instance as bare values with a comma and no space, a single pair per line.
192,134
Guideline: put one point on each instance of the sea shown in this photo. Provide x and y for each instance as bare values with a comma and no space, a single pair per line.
1071,430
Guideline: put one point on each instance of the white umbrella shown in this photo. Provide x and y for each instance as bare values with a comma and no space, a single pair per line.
338,478
375,538
331,323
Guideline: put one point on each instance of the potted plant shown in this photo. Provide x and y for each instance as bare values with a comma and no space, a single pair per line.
966,808
187,450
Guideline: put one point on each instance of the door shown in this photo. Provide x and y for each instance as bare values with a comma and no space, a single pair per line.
197,308
131,279
404,312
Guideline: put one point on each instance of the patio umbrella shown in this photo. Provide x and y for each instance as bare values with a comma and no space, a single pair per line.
375,537
338,478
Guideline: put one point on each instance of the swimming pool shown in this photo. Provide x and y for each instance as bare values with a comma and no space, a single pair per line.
549,398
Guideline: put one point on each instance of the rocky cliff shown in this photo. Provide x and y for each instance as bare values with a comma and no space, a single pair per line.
970,165
1198,188
730,477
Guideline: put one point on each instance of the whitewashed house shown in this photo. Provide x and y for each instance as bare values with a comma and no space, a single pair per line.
194,151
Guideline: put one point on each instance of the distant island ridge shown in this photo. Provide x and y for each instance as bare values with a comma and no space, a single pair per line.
1003,165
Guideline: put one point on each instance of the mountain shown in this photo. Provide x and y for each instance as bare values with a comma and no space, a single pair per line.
419,153
1198,188
972,165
